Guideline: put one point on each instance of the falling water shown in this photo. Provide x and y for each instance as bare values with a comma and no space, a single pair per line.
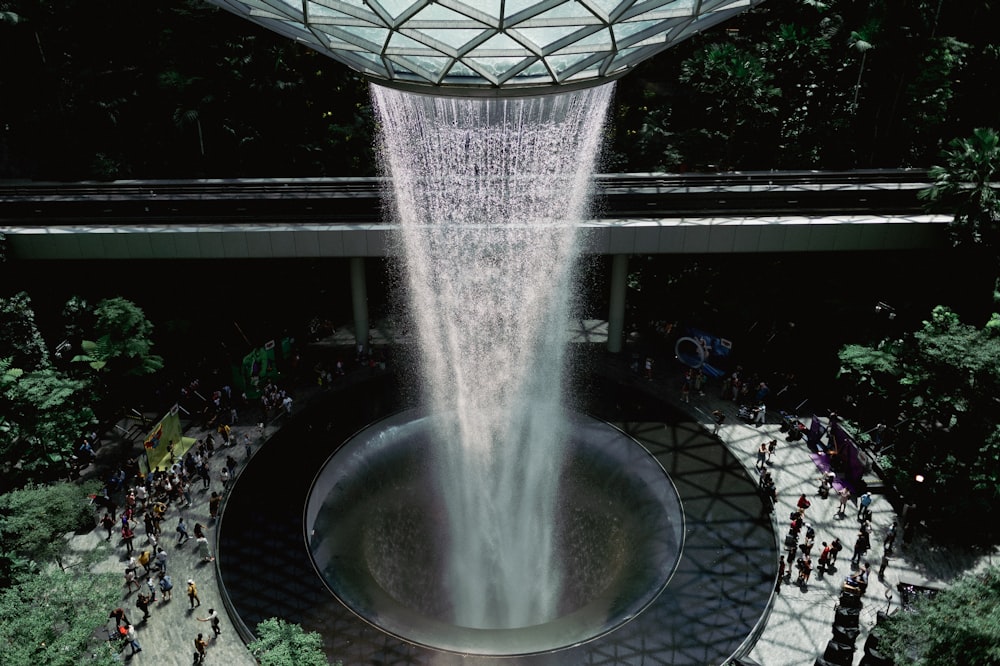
489,193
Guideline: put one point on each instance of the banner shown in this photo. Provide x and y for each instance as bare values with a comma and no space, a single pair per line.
165,436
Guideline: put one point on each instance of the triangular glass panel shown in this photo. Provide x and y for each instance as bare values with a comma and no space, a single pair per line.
603,8
432,69
459,68
278,8
439,16
567,13
375,37
660,9
490,8
544,38
495,66
456,39
502,44
626,34
396,8
599,40
401,44
363,13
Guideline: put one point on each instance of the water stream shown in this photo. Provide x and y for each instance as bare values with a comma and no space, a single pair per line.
489,193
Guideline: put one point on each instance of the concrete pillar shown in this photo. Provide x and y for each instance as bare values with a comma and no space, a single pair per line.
359,301
616,305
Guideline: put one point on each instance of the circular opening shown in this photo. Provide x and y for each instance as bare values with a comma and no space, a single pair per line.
376,530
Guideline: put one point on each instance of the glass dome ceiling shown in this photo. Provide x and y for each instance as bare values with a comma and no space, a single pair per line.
488,46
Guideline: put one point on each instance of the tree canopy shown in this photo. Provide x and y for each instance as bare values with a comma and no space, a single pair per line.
937,389
281,643
184,90
958,626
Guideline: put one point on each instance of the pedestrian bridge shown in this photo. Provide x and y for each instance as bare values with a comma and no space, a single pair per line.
798,211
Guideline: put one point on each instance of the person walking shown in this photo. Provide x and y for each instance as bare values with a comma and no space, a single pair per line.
213,505
835,548
182,531
133,640
200,647
108,523
127,536
824,560
130,580
885,563
161,560
719,419
166,587
203,551
192,592
142,603
761,456
213,617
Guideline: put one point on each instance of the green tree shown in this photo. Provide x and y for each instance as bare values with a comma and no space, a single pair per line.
958,626
941,381
32,520
43,412
122,343
967,185
20,338
51,618
737,93
281,643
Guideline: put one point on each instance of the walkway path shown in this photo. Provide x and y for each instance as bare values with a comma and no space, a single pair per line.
795,634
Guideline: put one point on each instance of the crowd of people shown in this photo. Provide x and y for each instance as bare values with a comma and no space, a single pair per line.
156,513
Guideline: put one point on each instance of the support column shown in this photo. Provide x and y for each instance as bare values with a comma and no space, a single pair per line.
616,304
359,301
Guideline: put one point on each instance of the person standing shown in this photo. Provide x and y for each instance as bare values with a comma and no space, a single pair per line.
845,496
760,414
213,505
120,618
863,505
761,456
192,592
860,548
885,563
213,617
890,538
127,536
824,559
200,646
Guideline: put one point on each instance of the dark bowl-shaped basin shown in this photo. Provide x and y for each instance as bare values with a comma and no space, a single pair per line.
376,530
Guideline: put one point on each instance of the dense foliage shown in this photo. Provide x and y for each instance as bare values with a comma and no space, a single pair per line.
958,626
46,405
281,643
50,618
936,388
97,89
33,520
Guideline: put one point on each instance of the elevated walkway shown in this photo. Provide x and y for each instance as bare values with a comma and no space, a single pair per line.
803,211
